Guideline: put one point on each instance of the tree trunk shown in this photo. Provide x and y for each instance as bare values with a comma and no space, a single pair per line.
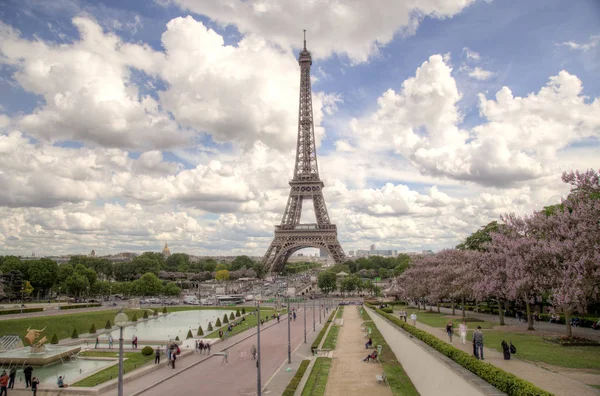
529,318
453,310
500,311
464,308
569,331
438,306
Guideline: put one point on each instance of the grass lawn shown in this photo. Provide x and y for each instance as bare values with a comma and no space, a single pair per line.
339,313
435,319
293,385
399,382
332,337
532,347
265,313
62,325
134,360
317,380
595,386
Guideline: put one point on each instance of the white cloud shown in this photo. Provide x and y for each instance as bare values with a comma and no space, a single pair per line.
471,55
480,74
355,29
593,42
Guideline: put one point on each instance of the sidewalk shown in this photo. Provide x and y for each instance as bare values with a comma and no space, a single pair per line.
349,374
555,383
280,380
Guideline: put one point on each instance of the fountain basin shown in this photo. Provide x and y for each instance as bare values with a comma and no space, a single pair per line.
51,354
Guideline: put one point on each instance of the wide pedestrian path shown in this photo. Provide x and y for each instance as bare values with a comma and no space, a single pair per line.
349,375
554,383
212,376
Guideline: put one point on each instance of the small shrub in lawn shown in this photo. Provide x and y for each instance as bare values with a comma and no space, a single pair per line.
134,319
218,322
210,328
243,311
155,312
189,335
232,316
200,331
177,338
225,320
145,315
108,325
164,310
147,350
75,334
237,313
93,329
54,339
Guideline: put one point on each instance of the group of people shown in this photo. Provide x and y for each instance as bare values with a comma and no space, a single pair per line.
462,331
134,342
413,317
110,342
202,346
7,379
172,352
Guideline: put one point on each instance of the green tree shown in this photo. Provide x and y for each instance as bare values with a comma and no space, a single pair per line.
93,329
108,325
74,334
217,323
231,316
27,288
145,314
54,340
210,326
178,262
164,310
171,289
148,262
222,275
225,320
480,238
241,262
89,273
13,263
237,313
134,319
148,285
209,265
243,311
42,273
260,270
200,331
221,267
77,284
327,281
189,335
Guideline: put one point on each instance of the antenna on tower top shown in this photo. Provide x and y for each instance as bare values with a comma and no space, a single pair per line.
305,39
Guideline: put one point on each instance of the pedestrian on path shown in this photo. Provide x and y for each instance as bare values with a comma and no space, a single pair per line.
157,356
173,358
207,347
294,316
449,330
253,352
11,377
3,383
110,341
27,371
413,318
34,385
478,343
462,330
225,355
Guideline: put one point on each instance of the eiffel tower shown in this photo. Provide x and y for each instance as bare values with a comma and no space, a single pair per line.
291,235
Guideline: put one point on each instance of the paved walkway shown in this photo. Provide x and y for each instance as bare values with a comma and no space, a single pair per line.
555,383
349,375
212,376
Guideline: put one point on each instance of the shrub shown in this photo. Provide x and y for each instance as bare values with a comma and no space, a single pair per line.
54,339
290,390
225,320
218,323
145,315
108,325
75,334
18,310
93,329
388,310
237,313
177,338
164,310
189,335
500,379
134,319
210,328
147,350
155,312
200,331
243,311
232,316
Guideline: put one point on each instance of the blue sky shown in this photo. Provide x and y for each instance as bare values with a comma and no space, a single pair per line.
488,45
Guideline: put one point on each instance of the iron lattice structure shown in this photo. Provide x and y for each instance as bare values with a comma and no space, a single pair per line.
291,235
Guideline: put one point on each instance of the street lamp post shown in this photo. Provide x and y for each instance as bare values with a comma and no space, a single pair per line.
305,320
22,298
258,384
313,312
59,298
289,333
320,321
121,320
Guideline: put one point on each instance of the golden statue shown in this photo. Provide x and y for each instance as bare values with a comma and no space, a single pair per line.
41,342
33,334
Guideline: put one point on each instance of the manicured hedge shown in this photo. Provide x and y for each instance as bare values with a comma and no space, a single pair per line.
500,379
291,388
18,310
63,307
315,345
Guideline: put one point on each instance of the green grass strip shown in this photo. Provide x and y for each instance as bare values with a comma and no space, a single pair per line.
500,379
332,336
317,380
315,344
134,361
399,381
339,313
293,385
249,323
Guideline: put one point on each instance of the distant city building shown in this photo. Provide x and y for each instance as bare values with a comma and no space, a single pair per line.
351,253
372,247
374,252
93,253
426,251
166,251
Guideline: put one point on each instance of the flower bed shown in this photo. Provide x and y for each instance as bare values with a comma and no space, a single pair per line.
572,341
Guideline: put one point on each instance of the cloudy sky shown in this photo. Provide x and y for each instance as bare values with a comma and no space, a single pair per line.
128,124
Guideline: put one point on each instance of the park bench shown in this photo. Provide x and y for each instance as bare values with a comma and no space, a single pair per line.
381,379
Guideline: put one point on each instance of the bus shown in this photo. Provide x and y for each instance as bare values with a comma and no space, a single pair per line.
232,299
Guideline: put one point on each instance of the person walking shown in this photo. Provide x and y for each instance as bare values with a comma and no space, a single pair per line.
413,318
132,342
462,330
294,316
157,356
135,342
173,358
207,346
3,384
478,343
450,330
168,355
253,352
27,371
34,385
97,342
110,341
11,377
225,360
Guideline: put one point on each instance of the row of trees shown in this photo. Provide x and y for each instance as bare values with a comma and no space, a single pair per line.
552,254
328,283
